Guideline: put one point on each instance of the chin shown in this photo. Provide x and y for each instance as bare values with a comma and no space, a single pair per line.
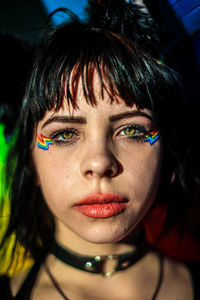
104,234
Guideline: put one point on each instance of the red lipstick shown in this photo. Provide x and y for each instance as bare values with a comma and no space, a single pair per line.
100,206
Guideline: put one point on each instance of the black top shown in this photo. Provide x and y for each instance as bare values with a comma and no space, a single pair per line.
26,288
25,291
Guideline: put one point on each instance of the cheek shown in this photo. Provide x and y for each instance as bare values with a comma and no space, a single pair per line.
143,173
146,164
54,173
142,184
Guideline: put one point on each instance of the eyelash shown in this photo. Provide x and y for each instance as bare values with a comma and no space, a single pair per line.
55,135
139,132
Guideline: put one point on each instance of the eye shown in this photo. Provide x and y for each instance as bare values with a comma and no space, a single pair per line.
129,131
64,136
133,131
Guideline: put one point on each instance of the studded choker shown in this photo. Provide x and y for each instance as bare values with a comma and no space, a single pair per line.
96,264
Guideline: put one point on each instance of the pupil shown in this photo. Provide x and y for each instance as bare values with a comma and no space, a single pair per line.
130,131
67,135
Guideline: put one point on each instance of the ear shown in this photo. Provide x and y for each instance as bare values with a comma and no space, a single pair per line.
173,177
170,178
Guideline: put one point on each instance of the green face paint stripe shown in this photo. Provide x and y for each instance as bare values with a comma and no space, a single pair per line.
152,137
43,142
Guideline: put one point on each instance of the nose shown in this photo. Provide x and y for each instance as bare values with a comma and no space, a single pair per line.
99,162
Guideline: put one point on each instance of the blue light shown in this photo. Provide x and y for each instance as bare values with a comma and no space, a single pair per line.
74,5
189,14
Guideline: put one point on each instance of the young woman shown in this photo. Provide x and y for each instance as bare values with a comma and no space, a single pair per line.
100,142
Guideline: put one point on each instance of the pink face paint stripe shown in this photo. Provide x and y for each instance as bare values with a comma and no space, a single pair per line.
152,137
43,142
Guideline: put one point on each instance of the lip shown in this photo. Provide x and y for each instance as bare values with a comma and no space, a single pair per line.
100,206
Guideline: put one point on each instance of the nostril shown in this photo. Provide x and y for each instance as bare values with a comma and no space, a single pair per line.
109,173
89,174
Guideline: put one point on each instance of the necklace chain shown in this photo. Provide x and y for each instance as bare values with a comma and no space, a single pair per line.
55,283
158,285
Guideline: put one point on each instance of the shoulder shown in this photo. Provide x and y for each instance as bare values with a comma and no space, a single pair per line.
177,281
194,269
24,282
16,282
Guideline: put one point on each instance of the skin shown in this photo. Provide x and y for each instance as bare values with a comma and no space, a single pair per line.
99,158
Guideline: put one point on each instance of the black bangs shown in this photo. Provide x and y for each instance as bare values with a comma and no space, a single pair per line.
74,51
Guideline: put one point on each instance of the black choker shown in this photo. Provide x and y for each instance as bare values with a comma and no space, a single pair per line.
96,264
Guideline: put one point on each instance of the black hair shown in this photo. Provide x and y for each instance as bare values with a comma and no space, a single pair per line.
71,51
126,18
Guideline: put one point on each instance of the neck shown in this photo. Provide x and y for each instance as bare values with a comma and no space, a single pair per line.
68,239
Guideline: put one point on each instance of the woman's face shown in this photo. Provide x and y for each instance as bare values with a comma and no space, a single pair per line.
99,176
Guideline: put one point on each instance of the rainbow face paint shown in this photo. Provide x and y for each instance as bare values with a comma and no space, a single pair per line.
43,142
152,137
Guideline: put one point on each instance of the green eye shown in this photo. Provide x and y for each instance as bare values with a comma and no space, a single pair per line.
133,131
67,135
64,136
129,131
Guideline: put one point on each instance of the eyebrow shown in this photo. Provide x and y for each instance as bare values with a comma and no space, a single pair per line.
65,119
131,114
82,120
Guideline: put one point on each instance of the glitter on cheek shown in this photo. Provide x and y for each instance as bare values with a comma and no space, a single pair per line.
152,137
43,142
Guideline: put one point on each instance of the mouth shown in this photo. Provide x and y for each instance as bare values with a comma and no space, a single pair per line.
100,206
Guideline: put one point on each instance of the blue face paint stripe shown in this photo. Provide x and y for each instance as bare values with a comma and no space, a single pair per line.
43,142
152,137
